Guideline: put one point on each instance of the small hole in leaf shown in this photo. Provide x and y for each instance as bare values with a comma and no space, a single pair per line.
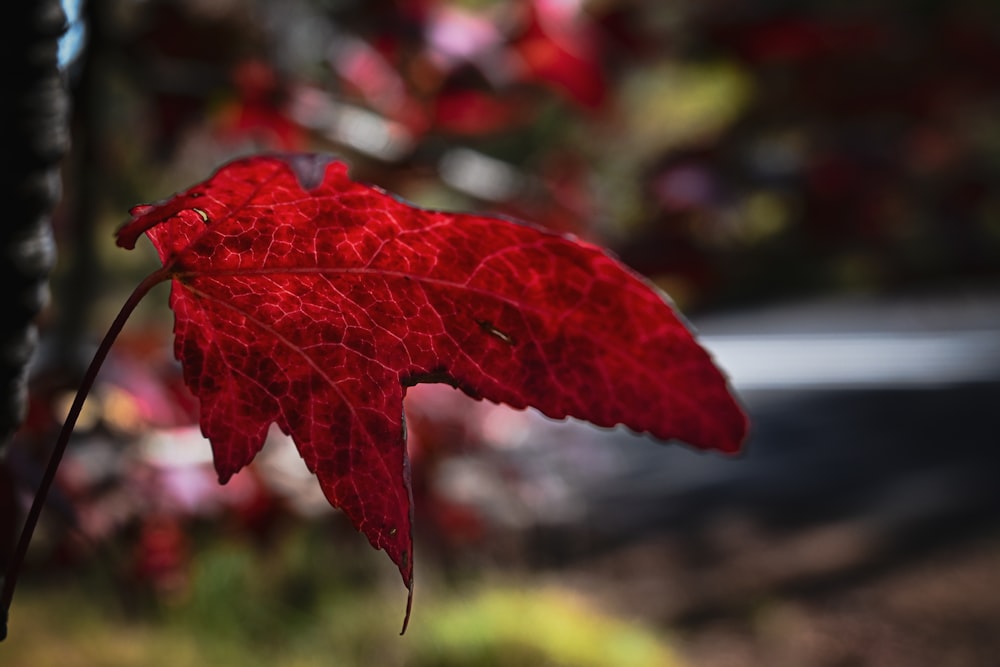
489,328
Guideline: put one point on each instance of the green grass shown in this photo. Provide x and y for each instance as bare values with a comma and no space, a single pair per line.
303,603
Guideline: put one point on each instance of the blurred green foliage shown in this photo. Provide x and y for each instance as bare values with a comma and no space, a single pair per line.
305,601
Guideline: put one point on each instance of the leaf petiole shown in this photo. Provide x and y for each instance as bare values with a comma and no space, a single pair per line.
31,521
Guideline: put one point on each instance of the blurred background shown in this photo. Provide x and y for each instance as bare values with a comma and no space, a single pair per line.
815,184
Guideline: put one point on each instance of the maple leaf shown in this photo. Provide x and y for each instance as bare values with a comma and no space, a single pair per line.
309,301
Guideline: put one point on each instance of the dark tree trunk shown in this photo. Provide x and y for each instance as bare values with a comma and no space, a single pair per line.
35,137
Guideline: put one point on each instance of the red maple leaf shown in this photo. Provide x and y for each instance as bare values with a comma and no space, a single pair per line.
310,301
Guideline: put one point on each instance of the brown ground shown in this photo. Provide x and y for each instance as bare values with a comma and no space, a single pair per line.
824,599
